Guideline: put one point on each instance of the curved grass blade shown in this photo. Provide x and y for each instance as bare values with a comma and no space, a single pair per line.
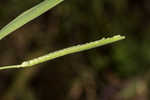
70,50
27,16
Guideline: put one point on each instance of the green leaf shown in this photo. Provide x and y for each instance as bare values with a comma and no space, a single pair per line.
27,16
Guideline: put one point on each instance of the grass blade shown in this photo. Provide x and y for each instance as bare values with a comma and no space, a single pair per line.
27,16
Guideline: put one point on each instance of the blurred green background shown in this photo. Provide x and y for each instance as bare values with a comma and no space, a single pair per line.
119,71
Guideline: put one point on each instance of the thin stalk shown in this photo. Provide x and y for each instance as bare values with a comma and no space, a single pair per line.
66,51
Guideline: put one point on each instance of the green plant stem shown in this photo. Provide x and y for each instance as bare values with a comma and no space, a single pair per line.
66,51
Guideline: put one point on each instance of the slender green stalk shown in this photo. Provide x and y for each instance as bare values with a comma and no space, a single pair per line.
27,16
70,50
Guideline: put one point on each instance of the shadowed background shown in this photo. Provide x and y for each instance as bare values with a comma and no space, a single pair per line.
118,71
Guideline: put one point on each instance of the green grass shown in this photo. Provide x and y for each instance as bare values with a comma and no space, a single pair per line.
36,11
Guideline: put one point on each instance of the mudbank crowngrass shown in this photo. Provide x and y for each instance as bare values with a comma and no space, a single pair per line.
36,11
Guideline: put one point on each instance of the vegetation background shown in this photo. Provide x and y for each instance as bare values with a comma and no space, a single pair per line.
119,71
